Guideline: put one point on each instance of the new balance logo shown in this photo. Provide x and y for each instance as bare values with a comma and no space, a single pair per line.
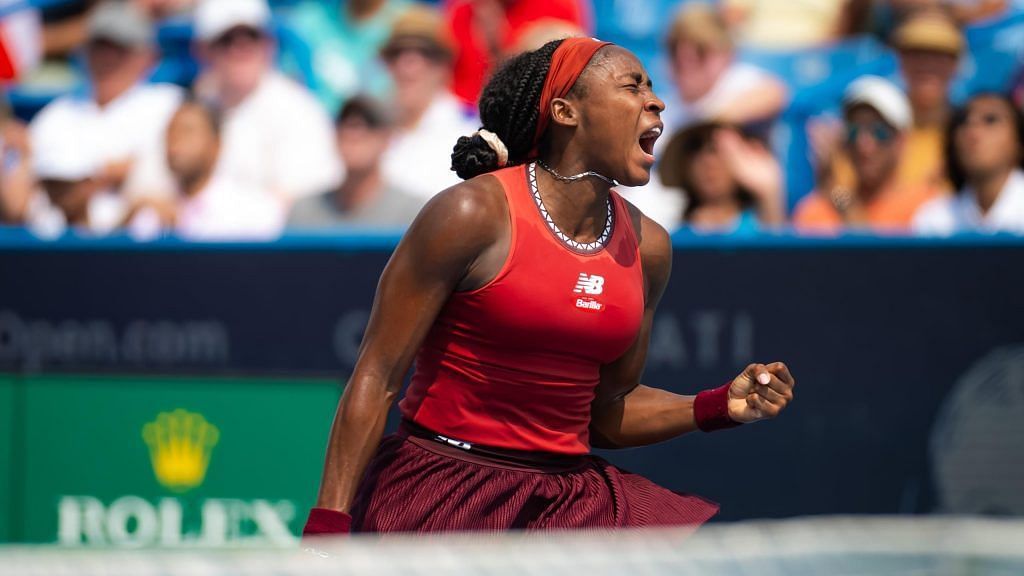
589,284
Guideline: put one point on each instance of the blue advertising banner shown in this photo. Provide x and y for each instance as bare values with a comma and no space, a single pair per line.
909,355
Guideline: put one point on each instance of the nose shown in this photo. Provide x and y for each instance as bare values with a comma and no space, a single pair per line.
654,105
865,144
409,62
971,133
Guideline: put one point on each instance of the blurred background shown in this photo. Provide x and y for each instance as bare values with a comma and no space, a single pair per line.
197,198
245,120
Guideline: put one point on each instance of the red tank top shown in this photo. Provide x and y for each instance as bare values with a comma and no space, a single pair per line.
514,364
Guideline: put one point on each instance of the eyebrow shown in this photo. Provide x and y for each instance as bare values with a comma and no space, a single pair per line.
638,77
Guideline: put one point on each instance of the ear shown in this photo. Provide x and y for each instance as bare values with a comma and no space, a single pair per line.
564,112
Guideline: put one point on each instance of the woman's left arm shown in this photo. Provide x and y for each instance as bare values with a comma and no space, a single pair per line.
626,413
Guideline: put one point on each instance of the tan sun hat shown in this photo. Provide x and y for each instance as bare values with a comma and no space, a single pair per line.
422,27
929,30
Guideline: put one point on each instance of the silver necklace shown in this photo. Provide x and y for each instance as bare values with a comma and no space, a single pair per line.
594,246
576,177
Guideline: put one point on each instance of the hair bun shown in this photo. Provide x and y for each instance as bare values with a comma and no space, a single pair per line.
473,156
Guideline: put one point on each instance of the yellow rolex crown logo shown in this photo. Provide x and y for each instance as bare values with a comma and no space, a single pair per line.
180,443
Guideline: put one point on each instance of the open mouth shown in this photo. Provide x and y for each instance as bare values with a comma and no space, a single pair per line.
648,138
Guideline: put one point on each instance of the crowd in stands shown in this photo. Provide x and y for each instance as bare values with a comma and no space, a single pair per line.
244,119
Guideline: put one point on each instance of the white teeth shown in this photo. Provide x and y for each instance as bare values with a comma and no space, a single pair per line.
656,131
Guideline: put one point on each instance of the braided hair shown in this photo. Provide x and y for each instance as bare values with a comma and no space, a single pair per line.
509,107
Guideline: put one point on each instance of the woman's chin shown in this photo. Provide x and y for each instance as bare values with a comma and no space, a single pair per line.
637,176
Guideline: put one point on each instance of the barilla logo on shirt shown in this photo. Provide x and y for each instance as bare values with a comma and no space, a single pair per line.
589,305
592,285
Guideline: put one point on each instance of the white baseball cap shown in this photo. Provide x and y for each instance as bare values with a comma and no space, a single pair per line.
882,95
215,17
64,153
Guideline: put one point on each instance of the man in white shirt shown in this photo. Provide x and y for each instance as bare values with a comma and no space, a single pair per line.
985,163
364,198
118,116
429,119
277,139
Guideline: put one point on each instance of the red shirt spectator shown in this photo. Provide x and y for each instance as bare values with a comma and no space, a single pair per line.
486,30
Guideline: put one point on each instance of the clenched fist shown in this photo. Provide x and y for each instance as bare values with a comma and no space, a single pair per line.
761,391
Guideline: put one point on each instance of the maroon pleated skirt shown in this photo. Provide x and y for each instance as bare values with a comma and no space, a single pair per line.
418,483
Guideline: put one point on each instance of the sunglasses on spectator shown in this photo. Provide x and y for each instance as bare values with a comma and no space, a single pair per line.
427,51
879,131
240,35
106,44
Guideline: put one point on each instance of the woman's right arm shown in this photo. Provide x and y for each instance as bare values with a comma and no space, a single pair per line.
441,252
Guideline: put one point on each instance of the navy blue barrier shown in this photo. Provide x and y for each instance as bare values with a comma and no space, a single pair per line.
909,354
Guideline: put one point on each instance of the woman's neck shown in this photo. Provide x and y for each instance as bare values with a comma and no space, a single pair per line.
192,187
79,218
987,188
933,116
578,208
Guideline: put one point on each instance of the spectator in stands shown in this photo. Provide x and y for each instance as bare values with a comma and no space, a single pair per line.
877,118
364,198
732,184
344,39
428,118
929,45
985,160
206,205
16,179
120,116
73,193
66,26
276,139
711,83
487,31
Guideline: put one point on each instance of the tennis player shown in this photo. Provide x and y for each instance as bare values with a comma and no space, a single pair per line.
525,296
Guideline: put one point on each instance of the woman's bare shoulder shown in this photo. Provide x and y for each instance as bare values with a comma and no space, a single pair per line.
464,219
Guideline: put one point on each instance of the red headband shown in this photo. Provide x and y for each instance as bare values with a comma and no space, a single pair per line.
567,63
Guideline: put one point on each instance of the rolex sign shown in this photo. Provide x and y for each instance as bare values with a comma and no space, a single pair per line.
157,461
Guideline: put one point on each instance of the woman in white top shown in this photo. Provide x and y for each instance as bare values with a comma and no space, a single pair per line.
985,163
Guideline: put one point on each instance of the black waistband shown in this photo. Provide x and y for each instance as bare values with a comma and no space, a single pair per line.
547,462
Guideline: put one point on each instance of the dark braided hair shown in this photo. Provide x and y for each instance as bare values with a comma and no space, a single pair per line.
509,107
